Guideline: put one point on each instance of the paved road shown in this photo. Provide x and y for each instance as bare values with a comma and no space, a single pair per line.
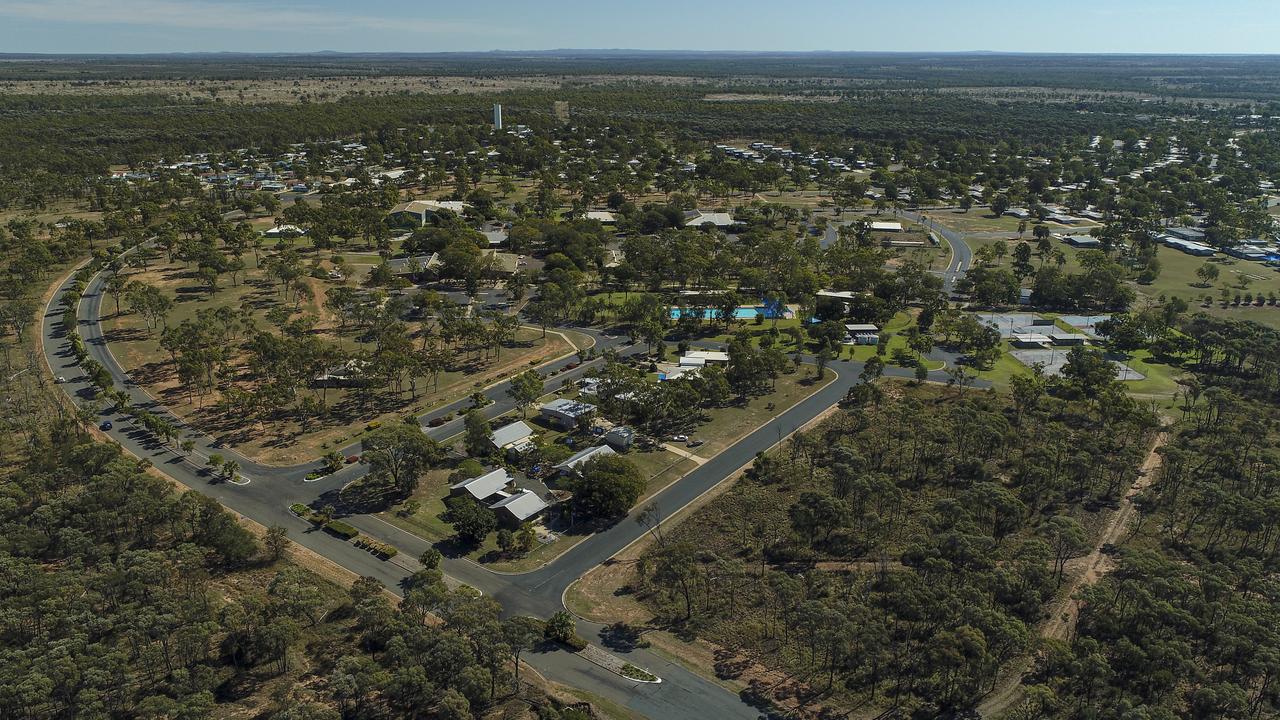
961,254
268,491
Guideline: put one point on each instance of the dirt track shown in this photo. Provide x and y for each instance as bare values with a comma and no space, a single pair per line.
1065,610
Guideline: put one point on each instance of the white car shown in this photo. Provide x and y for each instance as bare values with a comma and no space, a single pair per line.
59,379
679,438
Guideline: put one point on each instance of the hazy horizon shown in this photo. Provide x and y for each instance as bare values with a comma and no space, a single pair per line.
1180,27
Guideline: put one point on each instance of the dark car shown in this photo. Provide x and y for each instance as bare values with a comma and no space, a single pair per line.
106,425
352,459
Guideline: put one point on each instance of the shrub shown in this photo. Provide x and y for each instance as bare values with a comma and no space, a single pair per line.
635,673
341,529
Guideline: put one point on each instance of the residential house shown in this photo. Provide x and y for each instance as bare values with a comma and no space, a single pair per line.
517,507
578,459
482,487
514,439
565,413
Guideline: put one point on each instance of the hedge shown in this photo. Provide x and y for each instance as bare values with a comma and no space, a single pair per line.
341,529
383,551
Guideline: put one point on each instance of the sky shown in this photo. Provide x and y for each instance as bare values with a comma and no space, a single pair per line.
1087,26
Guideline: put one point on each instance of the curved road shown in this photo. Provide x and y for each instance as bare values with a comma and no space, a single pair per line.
961,254
269,491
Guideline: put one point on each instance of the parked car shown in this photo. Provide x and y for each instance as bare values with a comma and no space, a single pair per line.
680,438
106,425
59,379
352,459
435,422
695,443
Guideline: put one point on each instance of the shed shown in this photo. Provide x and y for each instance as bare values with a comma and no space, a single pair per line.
1058,337
620,438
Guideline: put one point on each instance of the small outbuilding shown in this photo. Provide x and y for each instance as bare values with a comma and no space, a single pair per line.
620,438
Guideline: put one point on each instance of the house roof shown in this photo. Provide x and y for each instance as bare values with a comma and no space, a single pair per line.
698,218
486,485
414,264
708,355
570,408
513,433
522,505
621,431
420,207
584,455
886,226
603,216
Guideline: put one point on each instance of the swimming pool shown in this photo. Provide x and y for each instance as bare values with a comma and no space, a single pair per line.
741,313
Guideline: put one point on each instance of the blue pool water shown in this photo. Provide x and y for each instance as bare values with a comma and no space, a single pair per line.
742,313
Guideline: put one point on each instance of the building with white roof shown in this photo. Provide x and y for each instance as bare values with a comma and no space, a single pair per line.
565,413
519,506
698,218
705,357
422,210
484,486
576,460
